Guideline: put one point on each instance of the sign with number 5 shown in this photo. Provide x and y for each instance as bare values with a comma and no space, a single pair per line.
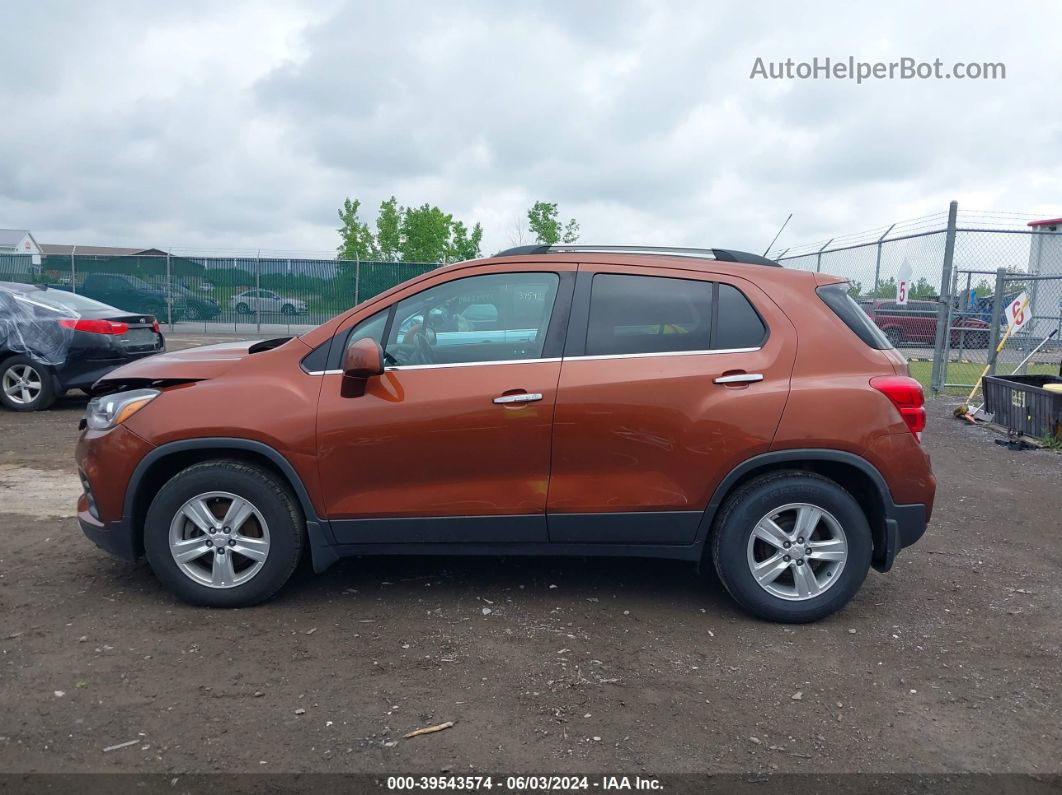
1018,314
903,283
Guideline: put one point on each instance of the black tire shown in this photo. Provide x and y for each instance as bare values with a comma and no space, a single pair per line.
894,336
15,367
270,496
243,309
191,312
755,500
288,309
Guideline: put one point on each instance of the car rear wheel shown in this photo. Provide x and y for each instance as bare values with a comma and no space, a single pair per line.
26,385
243,309
792,547
224,534
895,337
191,312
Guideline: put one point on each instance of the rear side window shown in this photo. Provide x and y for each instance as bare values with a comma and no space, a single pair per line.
738,326
648,314
836,297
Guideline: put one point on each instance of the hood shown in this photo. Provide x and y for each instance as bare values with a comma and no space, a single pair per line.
193,364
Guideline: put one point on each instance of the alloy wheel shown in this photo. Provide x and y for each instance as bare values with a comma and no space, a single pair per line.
22,384
219,539
797,552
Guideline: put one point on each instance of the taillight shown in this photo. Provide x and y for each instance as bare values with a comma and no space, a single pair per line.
95,326
155,327
907,396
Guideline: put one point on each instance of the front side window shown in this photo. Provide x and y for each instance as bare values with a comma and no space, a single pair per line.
490,318
648,314
370,328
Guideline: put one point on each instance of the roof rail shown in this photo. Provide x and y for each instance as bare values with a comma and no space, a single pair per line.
719,254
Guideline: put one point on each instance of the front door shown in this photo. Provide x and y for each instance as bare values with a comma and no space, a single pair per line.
452,442
670,379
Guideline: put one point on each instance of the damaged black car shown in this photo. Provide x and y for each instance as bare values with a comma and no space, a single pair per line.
52,341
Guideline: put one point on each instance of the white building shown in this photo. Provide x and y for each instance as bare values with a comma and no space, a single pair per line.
19,241
1045,259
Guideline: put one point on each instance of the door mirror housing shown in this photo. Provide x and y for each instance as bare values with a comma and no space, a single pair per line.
361,361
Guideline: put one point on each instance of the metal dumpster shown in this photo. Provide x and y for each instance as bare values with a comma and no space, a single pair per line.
1020,403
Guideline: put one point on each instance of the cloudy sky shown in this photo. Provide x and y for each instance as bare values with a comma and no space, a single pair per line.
225,125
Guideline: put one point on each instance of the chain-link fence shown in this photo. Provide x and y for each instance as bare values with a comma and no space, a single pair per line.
196,294
961,271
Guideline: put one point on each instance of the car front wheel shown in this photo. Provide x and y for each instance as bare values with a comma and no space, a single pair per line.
26,385
792,547
224,534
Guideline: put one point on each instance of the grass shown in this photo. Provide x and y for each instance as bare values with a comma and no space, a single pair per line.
964,371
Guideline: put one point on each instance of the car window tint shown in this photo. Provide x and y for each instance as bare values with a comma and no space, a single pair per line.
648,314
738,326
495,317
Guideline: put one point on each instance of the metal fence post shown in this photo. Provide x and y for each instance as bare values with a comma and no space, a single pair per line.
944,310
73,271
258,287
997,314
877,262
169,294
357,278
818,256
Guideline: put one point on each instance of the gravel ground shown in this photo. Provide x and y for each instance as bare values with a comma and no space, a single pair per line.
949,663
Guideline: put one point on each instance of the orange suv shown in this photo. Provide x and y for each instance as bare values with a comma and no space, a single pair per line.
700,405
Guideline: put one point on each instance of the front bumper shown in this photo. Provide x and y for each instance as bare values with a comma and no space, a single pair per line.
106,461
117,538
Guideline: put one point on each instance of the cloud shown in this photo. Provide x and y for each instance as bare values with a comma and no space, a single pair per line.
245,125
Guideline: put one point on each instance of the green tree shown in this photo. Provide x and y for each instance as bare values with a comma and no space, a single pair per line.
855,288
983,289
544,221
388,230
425,234
922,290
356,241
464,244
886,288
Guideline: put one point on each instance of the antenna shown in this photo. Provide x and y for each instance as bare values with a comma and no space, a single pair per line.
777,236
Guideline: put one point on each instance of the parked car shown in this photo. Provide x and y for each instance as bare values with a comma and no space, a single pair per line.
195,306
915,323
131,293
250,301
715,408
52,341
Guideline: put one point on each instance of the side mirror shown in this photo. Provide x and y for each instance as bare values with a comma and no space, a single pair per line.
363,360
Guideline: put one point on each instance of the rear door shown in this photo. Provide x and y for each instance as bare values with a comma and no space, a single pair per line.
670,379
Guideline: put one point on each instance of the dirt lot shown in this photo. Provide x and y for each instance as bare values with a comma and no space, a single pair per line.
951,662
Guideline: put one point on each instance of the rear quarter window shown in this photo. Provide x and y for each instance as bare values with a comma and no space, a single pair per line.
739,325
836,297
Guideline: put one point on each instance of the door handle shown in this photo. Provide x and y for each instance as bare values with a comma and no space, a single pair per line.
739,378
522,397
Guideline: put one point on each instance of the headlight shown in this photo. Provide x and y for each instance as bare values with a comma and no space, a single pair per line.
107,411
